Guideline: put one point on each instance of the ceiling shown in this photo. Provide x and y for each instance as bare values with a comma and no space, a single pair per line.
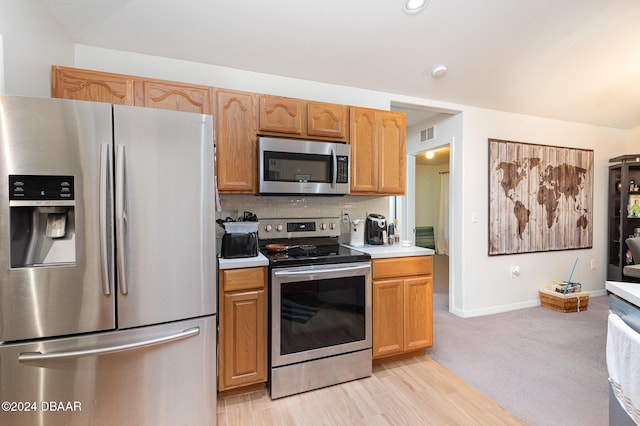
440,157
574,60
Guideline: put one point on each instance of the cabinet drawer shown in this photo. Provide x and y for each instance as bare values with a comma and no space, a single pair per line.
243,279
402,266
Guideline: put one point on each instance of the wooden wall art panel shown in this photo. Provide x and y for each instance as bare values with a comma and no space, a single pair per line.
540,198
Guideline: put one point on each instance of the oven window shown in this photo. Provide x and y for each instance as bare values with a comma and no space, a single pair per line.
294,167
321,313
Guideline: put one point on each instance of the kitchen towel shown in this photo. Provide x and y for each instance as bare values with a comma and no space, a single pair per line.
623,365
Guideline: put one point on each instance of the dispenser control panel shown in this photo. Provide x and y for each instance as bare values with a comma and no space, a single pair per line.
32,187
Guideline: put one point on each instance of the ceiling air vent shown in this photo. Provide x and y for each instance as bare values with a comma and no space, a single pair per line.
427,134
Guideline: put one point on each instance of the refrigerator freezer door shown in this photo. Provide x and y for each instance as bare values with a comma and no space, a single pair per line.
164,194
157,375
62,140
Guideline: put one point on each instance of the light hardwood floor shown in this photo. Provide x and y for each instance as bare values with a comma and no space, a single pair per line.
415,391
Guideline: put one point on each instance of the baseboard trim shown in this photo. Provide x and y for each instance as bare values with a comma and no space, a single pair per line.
470,313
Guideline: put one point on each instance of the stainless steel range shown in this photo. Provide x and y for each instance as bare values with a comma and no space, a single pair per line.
320,305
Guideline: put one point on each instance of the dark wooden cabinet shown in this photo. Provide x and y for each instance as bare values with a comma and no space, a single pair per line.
623,213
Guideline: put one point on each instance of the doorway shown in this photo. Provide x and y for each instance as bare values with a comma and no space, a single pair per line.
431,186
437,130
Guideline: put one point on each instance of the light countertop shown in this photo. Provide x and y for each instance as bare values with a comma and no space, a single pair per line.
626,290
396,250
243,262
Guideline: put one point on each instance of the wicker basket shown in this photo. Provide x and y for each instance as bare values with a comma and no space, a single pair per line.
573,302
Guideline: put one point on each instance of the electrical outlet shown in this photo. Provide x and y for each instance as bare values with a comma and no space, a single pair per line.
515,271
345,217
593,264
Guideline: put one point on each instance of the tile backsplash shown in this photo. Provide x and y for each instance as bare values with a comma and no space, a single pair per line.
300,207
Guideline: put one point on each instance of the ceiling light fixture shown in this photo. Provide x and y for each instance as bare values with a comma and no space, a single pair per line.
412,7
439,71
429,154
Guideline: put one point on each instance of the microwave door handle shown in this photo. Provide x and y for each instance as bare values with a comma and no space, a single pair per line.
334,173
104,187
120,220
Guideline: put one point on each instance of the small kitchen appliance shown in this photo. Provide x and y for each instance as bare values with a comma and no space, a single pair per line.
376,229
239,240
357,233
305,167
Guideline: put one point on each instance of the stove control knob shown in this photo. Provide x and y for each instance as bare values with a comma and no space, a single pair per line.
267,228
279,228
332,226
323,226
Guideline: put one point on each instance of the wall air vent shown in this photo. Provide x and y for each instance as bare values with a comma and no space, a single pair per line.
427,134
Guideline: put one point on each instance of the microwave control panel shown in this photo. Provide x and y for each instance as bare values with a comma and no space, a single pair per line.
343,169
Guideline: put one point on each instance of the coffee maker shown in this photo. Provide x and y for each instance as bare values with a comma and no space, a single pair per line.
376,229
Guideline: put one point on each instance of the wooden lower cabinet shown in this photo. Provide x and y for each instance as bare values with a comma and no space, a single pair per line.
402,305
243,328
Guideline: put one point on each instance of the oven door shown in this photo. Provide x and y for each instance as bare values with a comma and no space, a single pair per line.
288,166
320,311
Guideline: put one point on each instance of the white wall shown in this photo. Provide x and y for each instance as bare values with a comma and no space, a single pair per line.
427,192
485,281
33,42
480,284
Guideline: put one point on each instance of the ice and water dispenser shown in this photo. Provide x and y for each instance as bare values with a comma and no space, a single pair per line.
42,212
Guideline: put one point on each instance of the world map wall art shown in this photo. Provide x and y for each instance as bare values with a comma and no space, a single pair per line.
540,198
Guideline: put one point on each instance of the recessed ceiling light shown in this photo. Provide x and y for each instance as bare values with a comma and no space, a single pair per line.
429,154
414,6
439,71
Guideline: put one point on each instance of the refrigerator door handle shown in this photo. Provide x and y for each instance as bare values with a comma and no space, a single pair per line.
39,356
104,188
120,219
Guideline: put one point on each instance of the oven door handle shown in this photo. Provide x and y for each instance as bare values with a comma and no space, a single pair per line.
294,273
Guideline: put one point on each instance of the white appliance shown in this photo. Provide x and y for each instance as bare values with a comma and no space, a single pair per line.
357,233
107,259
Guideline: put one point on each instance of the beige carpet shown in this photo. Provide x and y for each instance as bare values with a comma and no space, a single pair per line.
546,367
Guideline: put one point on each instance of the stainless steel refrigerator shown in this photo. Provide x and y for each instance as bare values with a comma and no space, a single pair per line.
107,265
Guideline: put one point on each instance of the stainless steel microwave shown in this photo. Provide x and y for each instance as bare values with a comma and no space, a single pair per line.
295,166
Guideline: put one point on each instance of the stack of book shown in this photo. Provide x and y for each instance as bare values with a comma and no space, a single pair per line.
566,287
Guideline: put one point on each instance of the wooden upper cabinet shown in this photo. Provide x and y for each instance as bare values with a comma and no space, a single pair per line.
176,96
236,142
281,115
304,119
378,149
327,120
86,85
364,150
392,152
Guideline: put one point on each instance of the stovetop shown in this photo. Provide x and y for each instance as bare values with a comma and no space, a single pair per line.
315,242
311,251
